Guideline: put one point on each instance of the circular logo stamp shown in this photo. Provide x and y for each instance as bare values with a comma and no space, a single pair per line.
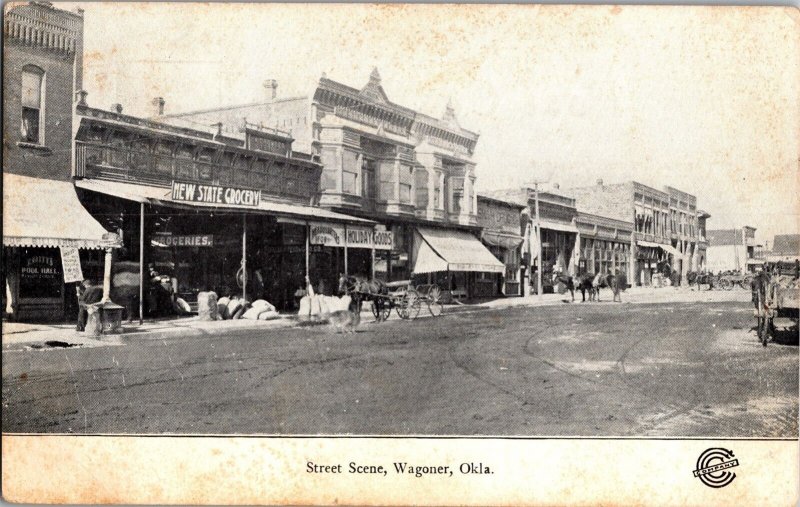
712,467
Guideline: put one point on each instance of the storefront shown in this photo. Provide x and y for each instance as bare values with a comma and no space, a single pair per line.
50,244
652,259
558,252
354,250
256,249
501,222
456,261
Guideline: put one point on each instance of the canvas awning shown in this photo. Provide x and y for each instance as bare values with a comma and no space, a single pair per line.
667,248
502,239
47,213
163,196
555,226
672,250
443,250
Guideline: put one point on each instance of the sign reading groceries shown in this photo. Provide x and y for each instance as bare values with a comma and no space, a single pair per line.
356,237
214,194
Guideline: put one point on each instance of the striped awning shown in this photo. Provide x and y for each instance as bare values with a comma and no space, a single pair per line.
47,213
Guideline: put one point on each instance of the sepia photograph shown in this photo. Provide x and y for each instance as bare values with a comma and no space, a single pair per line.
479,222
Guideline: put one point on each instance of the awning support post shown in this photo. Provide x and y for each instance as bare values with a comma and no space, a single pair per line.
345,251
244,256
107,277
372,268
141,263
308,243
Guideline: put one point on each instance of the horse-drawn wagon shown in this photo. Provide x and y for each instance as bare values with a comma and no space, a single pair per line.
777,301
402,297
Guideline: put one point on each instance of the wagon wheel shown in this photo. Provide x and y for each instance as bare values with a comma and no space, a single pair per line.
408,306
381,309
434,303
725,284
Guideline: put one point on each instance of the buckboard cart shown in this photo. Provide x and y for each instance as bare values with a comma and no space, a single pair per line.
406,300
779,300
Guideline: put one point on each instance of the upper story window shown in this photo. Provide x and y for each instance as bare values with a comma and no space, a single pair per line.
456,195
32,104
368,178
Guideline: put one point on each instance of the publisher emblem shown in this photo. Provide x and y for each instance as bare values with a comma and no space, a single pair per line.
713,467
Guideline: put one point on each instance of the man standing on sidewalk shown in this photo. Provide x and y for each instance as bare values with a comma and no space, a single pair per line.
91,294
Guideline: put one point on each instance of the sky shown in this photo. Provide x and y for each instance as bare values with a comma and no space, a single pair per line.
704,99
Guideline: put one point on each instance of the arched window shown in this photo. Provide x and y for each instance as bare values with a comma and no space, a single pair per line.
32,104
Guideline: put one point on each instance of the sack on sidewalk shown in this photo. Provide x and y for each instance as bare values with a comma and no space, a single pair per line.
207,306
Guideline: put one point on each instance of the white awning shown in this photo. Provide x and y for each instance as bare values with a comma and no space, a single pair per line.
163,196
554,226
457,251
502,239
47,213
671,249
667,248
428,261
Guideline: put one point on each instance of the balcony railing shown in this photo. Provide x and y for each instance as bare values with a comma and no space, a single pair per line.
121,164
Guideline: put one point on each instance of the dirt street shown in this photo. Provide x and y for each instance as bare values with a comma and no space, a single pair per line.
661,369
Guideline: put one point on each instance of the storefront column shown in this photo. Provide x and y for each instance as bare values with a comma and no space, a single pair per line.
632,281
575,258
244,256
308,248
345,250
107,277
141,263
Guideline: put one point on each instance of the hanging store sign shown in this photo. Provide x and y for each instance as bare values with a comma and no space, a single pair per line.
214,194
356,237
362,237
327,234
71,264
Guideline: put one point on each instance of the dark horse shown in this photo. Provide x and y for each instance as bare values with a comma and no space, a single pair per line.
362,289
592,284
567,281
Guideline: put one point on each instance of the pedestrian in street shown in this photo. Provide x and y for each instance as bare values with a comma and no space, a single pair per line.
90,294
616,286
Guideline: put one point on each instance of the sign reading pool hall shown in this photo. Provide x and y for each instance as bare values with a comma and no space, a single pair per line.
215,194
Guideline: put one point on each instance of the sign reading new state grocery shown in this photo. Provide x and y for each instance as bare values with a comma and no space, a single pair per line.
215,194
356,237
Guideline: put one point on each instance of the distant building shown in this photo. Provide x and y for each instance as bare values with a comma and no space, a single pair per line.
666,226
732,250
785,248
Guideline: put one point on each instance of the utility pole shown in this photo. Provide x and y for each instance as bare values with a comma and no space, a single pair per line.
538,243
535,185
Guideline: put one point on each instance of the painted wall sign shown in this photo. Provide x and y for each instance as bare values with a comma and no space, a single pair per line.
356,237
71,264
214,194
188,240
327,234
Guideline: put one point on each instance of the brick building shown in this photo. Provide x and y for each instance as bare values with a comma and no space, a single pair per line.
666,226
212,211
732,250
412,173
502,225
43,220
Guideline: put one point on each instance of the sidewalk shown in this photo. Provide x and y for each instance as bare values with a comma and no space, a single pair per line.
17,334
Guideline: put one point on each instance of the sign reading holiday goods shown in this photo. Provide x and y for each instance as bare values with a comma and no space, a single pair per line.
355,237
